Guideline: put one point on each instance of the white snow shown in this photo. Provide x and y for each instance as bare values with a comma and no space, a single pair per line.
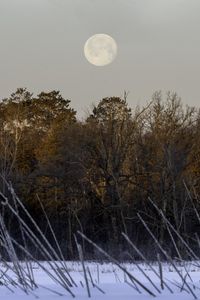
111,280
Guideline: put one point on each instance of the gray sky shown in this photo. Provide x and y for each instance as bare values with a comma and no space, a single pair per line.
158,48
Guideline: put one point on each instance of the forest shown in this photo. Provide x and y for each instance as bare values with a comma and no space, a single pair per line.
97,176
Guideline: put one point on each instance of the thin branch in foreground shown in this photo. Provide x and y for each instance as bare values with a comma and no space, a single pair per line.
80,253
145,260
160,271
113,260
166,255
145,275
92,281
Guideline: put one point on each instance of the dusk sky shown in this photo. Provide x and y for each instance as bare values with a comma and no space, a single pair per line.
158,42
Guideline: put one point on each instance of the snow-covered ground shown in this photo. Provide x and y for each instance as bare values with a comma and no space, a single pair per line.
112,281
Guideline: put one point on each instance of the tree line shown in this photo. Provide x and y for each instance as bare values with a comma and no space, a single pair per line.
96,175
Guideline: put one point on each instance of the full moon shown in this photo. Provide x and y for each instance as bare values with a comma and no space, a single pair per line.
100,49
